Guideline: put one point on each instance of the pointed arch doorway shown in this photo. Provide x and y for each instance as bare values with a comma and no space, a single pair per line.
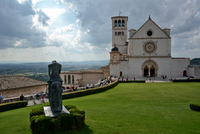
149,67
146,71
152,71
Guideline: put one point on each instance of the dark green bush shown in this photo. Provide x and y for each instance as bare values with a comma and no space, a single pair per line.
36,111
42,124
187,80
68,107
79,120
88,91
12,105
65,121
195,107
133,81
76,110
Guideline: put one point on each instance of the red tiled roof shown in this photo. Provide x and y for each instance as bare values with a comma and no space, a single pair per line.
12,82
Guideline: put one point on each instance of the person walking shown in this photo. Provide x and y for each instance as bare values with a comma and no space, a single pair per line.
33,96
37,95
42,96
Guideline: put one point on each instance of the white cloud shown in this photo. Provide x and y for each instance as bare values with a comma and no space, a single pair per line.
35,1
17,43
53,13
69,28
84,27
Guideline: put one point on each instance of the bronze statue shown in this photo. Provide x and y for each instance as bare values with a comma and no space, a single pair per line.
55,86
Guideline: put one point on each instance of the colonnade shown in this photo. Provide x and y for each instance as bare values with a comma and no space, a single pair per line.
68,79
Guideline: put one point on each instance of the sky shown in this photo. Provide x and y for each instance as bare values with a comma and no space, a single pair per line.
80,30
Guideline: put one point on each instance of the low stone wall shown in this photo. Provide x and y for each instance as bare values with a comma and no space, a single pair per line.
16,93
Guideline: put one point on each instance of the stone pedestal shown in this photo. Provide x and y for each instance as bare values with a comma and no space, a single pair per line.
48,112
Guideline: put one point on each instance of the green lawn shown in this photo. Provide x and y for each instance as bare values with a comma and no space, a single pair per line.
146,108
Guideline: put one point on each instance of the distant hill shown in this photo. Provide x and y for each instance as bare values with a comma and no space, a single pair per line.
39,70
195,61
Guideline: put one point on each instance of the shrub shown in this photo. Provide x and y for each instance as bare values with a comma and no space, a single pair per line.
187,80
65,121
79,120
68,107
42,124
135,81
195,107
36,111
12,105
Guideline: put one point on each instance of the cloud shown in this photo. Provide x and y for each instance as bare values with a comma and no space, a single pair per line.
43,18
16,25
84,26
182,16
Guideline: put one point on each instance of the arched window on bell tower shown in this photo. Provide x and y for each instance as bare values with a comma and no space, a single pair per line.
115,23
119,23
123,23
114,57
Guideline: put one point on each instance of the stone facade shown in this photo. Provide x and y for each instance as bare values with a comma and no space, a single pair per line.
14,86
194,70
147,52
81,78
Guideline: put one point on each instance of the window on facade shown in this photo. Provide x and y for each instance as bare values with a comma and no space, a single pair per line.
123,24
72,79
115,57
115,33
69,79
149,33
65,79
122,33
119,23
115,23
119,33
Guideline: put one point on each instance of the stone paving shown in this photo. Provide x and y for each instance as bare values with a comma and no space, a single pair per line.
37,101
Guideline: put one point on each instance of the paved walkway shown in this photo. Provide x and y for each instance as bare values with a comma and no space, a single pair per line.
37,101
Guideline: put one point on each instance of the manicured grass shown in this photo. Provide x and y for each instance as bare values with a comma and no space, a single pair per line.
145,108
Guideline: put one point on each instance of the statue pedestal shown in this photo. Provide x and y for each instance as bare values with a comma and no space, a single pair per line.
48,112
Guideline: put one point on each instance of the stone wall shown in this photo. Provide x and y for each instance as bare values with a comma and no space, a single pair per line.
178,65
83,77
92,78
194,70
9,93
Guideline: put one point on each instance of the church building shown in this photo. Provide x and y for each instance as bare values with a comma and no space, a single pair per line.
147,51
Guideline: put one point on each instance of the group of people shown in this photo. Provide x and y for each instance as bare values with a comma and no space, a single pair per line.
38,96
73,88
164,76
91,86
105,81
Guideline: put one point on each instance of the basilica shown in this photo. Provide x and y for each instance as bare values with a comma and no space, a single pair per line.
147,52
137,54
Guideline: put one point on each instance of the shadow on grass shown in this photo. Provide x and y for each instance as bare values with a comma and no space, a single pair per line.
84,130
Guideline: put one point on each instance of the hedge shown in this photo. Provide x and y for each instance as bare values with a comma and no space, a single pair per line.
195,107
64,122
133,81
88,91
12,105
187,80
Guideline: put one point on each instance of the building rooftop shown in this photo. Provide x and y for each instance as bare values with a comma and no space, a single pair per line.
83,71
12,82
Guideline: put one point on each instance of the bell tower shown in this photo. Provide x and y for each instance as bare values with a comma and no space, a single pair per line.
119,33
